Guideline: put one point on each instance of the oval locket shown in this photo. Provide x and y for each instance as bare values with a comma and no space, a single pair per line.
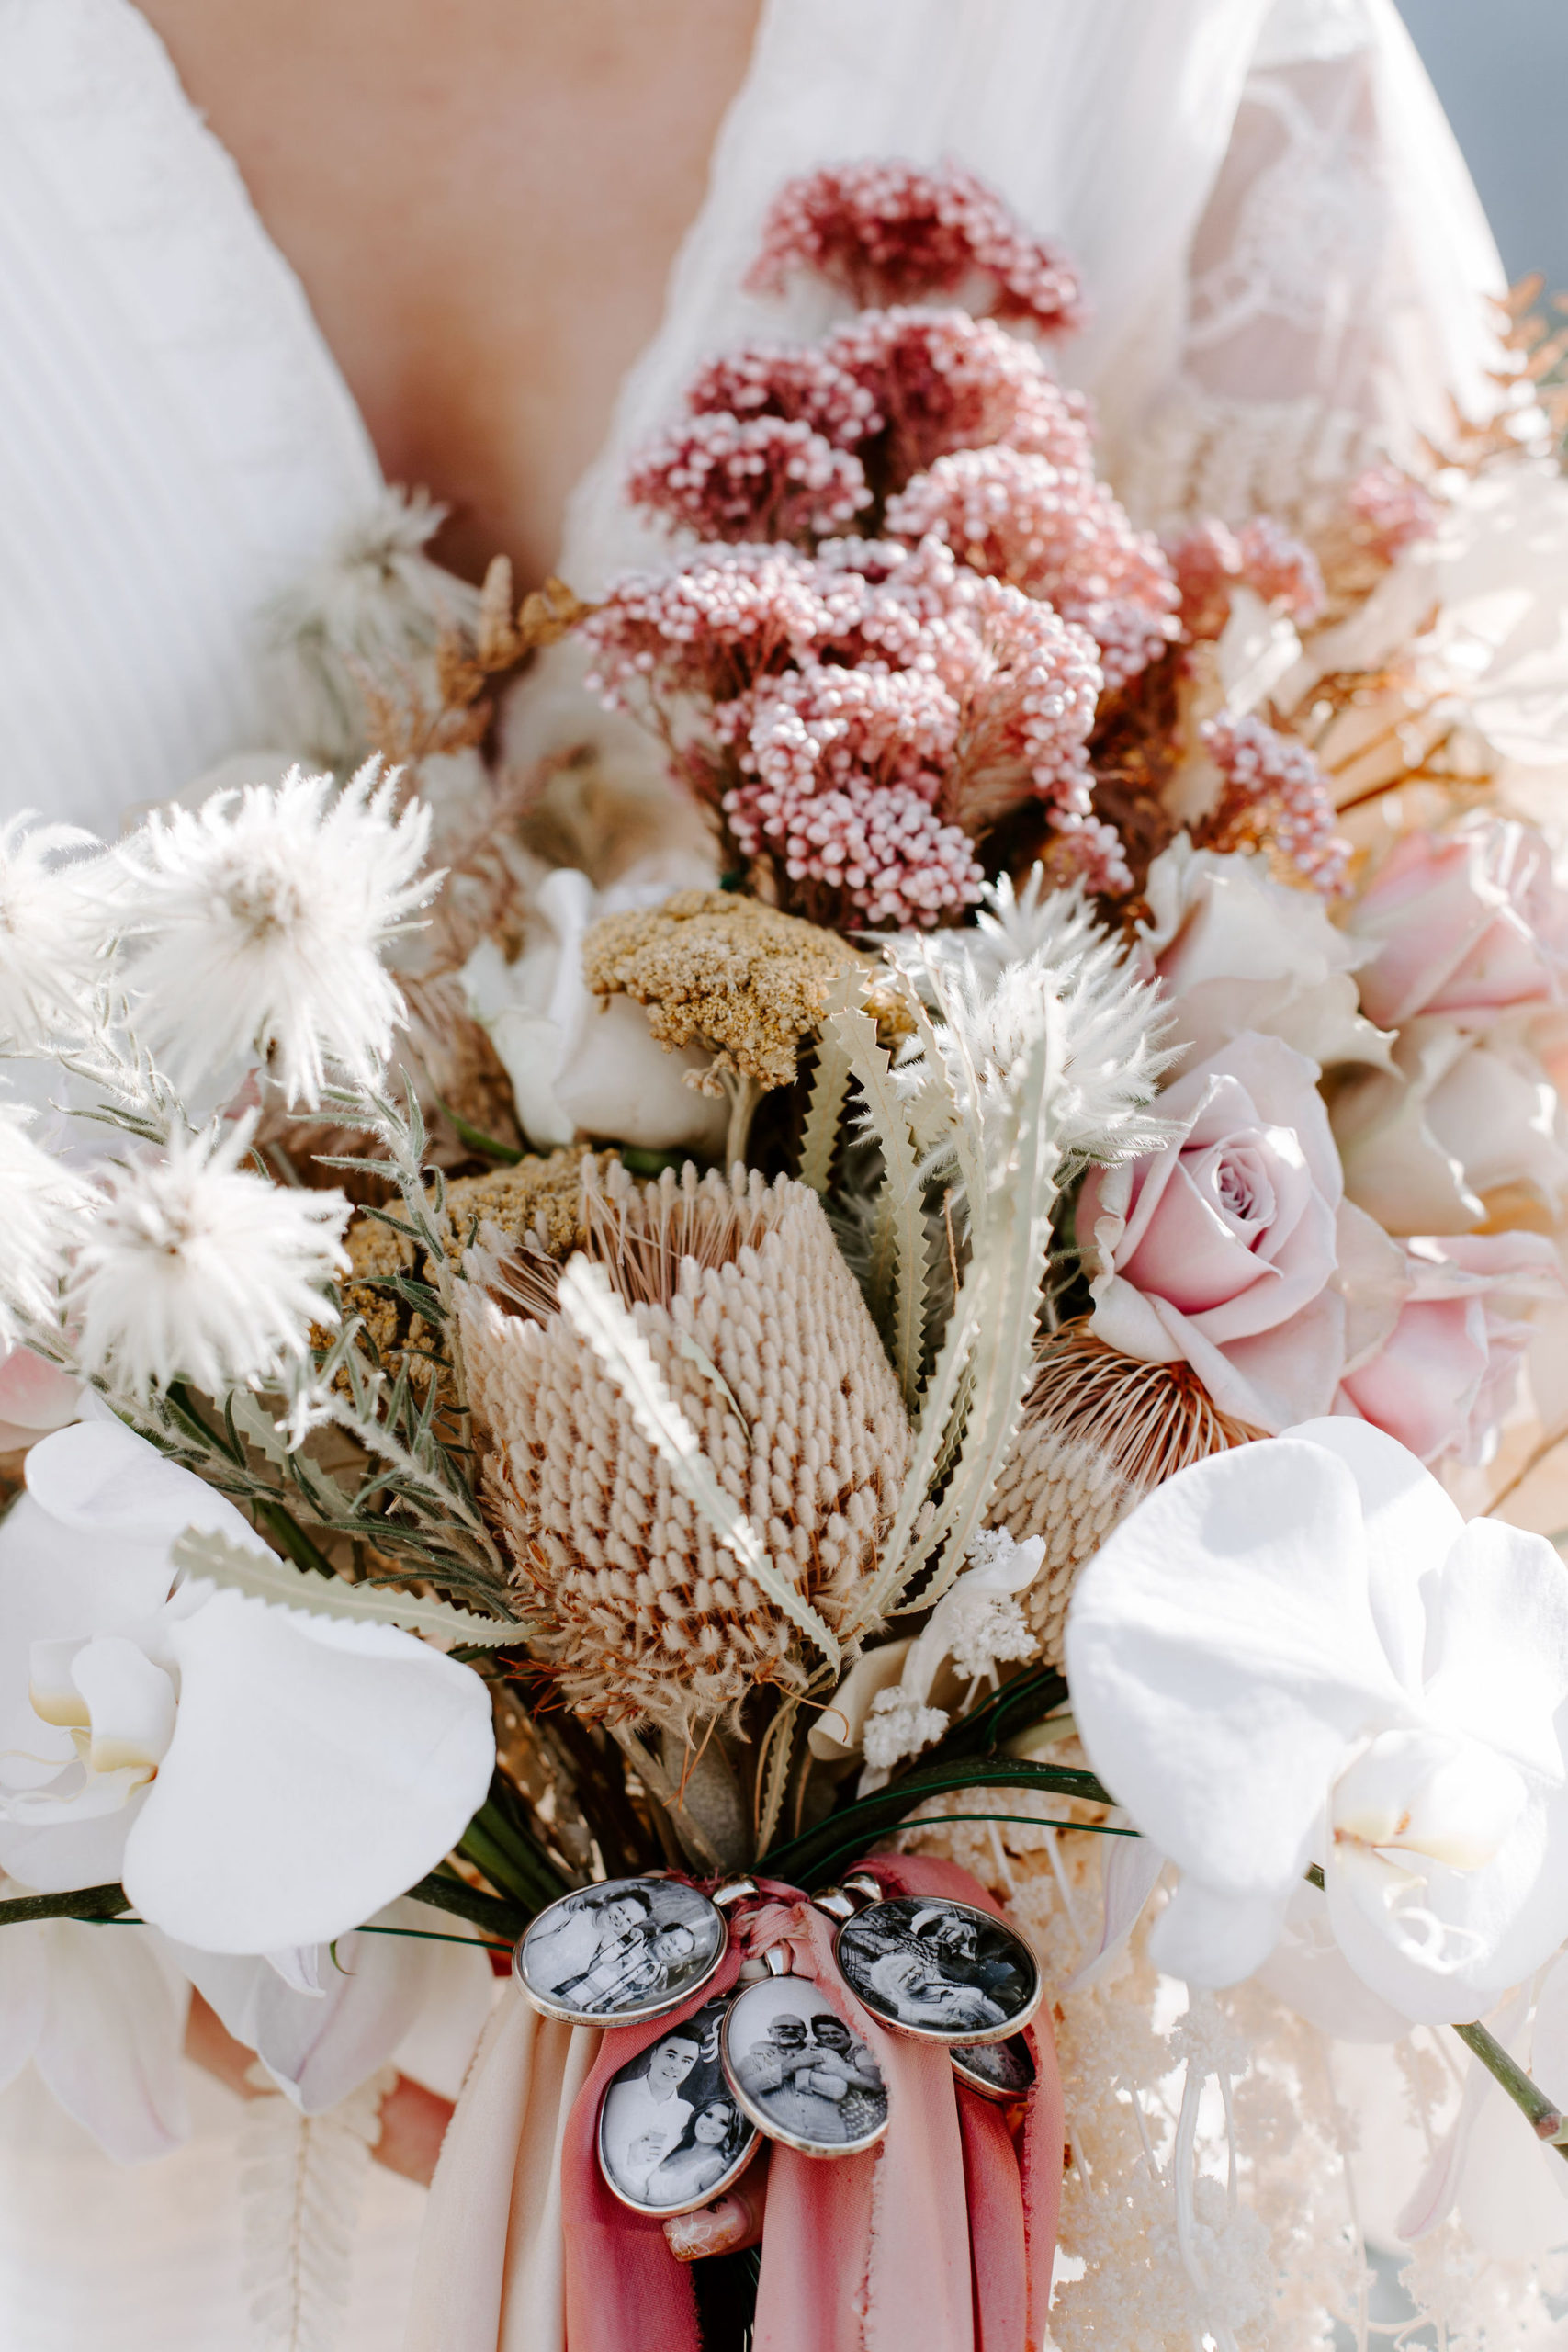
938,1970
625,1951
671,2133
798,2072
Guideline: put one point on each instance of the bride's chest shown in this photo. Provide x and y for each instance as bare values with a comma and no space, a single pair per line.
482,203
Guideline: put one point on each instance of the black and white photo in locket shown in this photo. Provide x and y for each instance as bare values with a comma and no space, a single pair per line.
800,2072
939,1968
670,2132
621,1950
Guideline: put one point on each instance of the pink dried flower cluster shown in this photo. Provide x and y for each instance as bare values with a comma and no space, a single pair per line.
941,380
774,477
1274,795
887,232
1262,556
793,691
1389,512
1058,535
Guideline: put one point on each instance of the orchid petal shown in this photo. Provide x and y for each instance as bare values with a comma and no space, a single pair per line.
318,1768
23,1994
1432,2199
112,2046
1501,1669
1129,1873
1211,1936
1309,1973
57,1854
1222,1654
131,1704
1410,1528
320,2047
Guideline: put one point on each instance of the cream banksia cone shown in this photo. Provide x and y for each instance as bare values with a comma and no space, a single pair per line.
760,1333
1100,1432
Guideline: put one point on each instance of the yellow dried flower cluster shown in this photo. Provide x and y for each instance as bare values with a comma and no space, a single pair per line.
1099,1430
710,965
539,1199
759,1332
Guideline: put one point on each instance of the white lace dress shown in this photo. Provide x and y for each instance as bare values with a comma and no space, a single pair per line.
1287,263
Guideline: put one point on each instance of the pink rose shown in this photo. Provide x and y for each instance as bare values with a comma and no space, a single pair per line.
1443,1381
1219,1249
1472,925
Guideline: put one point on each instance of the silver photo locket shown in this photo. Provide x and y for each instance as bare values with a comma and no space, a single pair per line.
799,2072
937,1970
1004,2071
673,2135
624,1951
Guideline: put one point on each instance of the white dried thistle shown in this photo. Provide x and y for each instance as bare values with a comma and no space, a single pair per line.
55,932
760,1335
255,926
1034,958
40,1201
191,1265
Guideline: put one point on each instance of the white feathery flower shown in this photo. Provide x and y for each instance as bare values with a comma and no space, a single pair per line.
53,933
38,1197
194,1266
1034,959
259,919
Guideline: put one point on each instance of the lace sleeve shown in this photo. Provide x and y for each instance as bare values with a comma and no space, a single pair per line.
1338,296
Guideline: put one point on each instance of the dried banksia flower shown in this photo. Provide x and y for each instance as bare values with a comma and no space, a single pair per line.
1100,1432
726,969
759,1334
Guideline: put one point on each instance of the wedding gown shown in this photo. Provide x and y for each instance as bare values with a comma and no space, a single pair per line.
1288,269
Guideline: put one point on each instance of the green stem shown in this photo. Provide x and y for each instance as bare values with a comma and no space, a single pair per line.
81,1902
1545,2119
521,1871
292,1540
801,1859
504,1921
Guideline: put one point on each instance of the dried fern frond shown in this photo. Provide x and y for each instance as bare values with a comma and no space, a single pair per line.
301,2182
1100,1432
758,1337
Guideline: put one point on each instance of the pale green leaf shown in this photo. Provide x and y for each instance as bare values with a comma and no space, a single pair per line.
262,1576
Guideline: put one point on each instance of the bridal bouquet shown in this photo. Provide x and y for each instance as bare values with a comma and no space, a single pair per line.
882,1458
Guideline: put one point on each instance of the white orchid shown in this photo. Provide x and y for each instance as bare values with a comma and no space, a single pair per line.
256,1777
325,2018
1298,1653
100,2012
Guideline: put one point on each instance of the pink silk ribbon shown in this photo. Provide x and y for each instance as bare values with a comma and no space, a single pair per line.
624,2291
994,2218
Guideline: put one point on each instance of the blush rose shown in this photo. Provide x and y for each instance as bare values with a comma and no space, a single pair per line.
1221,1249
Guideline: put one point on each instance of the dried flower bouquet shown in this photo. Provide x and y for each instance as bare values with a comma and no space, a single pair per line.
973,1331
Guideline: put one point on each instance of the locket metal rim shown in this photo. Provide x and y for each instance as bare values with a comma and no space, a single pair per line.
816,2149
980,2086
875,2008
646,2013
